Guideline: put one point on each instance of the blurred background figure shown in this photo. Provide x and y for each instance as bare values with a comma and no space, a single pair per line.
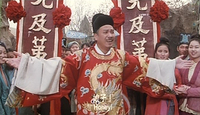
64,48
7,73
68,52
182,47
63,52
85,45
92,42
73,46
10,53
5,83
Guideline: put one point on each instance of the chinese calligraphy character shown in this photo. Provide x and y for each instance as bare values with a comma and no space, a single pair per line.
136,2
137,24
103,97
140,49
39,21
39,48
43,4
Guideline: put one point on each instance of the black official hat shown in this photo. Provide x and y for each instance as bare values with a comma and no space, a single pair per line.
99,20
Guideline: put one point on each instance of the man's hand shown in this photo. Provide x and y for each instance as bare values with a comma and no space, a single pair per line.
183,64
14,62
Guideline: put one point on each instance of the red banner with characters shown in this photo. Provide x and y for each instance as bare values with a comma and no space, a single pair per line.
37,34
139,32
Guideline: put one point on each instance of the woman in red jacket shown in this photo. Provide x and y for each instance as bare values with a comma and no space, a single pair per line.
164,105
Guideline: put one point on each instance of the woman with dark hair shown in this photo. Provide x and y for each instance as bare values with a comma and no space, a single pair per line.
5,83
164,105
189,91
162,49
6,75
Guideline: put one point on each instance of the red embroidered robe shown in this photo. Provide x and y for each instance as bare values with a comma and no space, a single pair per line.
99,81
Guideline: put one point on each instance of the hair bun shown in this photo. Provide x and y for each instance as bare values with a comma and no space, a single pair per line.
164,40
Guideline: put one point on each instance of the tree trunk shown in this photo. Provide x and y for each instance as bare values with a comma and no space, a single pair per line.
5,35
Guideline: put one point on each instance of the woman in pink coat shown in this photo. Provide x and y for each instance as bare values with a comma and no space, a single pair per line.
189,91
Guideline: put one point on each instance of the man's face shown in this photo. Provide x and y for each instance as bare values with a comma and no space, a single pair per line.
183,49
105,38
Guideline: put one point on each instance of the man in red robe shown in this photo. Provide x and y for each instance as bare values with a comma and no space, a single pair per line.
99,74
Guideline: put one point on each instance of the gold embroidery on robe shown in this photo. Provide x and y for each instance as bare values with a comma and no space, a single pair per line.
107,98
63,77
144,66
14,99
103,57
113,68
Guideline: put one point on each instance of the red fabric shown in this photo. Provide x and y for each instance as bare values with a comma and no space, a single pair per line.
60,36
55,106
119,38
142,81
153,102
70,70
178,77
79,78
118,16
17,32
15,11
16,109
115,2
61,16
158,32
159,11
153,105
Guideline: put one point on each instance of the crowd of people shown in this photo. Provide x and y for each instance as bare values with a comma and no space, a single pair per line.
72,47
95,78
